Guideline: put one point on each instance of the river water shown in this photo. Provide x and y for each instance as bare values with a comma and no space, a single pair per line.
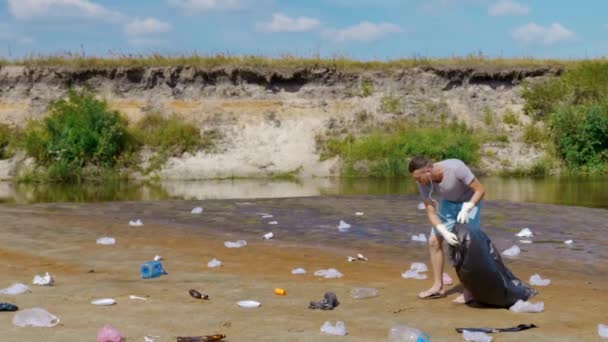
576,191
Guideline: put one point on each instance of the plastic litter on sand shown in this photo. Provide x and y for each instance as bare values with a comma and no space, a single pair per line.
536,280
512,252
298,270
137,297
421,206
35,317
15,289
359,213
248,304
447,280
343,226
568,242
402,333
419,238
602,330
525,233
273,222
329,273
476,336
415,271
158,258
339,329
526,307
214,263
197,210
236,244
419,267
136,223
108,334
268,236
526,241
106,240
363,292
103,302
45,280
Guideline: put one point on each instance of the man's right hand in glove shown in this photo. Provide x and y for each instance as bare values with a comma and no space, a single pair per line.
451,238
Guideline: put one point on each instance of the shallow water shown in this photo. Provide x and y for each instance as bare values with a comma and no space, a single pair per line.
576,191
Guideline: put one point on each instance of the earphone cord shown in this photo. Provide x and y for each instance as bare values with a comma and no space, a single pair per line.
435,203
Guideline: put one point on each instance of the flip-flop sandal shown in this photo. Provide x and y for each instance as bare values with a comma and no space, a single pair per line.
434,295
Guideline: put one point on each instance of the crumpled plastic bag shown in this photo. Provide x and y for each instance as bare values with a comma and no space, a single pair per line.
343,226
136,223
527,307
298,270
602,330
108,334
214,263
476,336
45,280
339,329
15,289
35,317
329,273
236,244
419,238
536,280
197,210
106,240
512,252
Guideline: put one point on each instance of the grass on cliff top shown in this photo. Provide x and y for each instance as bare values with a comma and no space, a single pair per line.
288,61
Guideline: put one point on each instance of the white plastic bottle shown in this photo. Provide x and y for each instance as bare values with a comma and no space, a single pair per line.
402,333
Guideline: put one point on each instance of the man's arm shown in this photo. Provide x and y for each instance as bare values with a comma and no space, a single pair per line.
479,190
431,212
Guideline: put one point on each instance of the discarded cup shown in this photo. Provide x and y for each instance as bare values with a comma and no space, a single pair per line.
536,280
195,294
214,263
280,292
339,329
512,252
151,269
45,280
106,240
236,244
363,292
298,270
136,223
343,226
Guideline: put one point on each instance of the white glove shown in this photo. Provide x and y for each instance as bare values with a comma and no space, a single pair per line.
463,215
451,238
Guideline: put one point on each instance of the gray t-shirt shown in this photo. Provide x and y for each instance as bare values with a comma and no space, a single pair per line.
454,185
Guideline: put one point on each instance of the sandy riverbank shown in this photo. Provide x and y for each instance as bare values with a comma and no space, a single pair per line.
61,239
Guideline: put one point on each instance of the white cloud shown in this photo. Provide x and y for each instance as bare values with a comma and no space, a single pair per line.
207,5
533,33
508,7
282,23
147,26
30,9
363,32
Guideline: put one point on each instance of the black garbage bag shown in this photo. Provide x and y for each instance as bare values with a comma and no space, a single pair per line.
481,270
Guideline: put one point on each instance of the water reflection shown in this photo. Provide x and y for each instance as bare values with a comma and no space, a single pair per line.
582,191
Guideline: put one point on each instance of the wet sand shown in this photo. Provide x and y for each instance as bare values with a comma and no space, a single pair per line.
60,239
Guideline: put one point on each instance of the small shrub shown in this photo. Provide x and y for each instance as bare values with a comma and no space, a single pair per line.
169,135
6,140
510,118
79,132
390,104
366,88
488,116
533,135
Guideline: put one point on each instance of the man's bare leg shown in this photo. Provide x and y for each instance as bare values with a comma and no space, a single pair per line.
436,251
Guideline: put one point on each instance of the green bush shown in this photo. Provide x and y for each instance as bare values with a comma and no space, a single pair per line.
6,140
169,134
534,135
510,118
581,136
80,132
366,88
585,84
384,153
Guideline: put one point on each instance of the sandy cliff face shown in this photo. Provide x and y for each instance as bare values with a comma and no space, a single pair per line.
270,120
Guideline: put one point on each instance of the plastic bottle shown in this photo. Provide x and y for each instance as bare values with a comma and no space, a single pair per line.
279,291
151,269
363,292
402,333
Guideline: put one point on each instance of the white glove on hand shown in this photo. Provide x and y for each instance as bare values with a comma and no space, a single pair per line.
463,215
451,238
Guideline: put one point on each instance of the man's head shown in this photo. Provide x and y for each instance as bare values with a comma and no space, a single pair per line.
420,168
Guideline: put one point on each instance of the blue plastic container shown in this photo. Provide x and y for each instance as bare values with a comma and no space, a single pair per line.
151,269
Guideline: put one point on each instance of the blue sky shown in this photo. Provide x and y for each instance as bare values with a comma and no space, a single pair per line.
360,29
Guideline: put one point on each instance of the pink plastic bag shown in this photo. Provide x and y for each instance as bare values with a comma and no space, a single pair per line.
447,280
108,334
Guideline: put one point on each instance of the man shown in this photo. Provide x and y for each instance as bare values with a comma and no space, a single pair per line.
460,194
